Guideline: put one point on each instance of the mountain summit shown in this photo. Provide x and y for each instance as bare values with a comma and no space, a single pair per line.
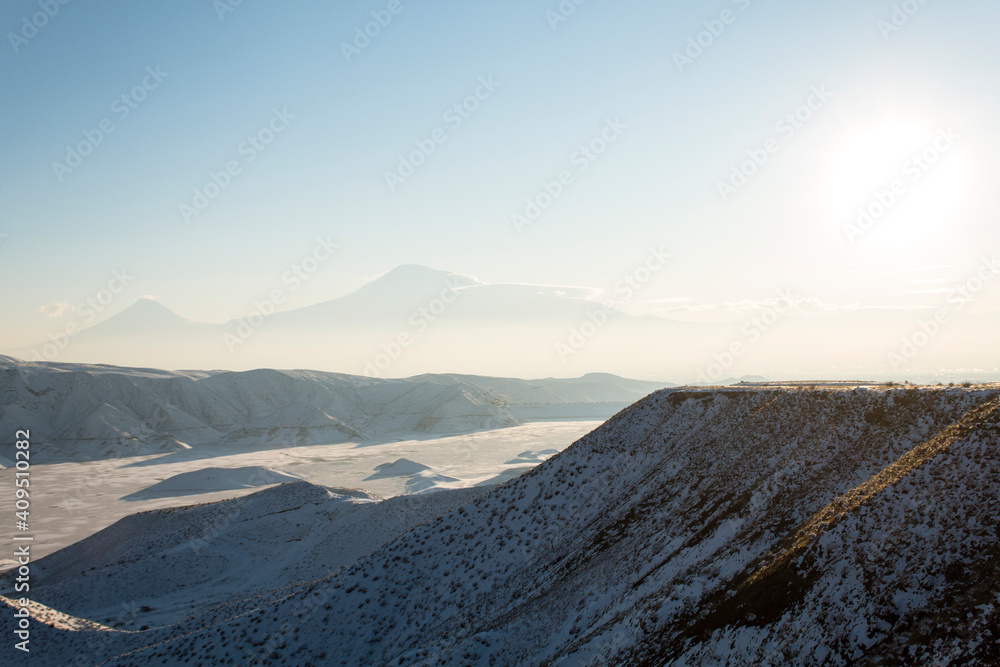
412,280
145,314
409,274
410,320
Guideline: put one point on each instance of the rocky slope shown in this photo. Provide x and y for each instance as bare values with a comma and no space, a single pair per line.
709,526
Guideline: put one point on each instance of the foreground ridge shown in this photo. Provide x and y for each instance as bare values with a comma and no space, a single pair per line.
891,474
746,525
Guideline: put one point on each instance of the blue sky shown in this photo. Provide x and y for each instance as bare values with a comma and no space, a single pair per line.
891,94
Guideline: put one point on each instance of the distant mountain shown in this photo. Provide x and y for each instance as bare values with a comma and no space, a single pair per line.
146,319
145,316
86,411
144,334
738,526
415,320
403,288
411,320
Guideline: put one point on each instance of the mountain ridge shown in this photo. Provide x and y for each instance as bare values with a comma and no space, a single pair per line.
431,307
83,411
415,319
673,533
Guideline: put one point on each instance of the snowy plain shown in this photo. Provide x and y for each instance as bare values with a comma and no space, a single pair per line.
75,499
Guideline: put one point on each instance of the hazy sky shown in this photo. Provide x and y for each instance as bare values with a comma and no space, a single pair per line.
310,128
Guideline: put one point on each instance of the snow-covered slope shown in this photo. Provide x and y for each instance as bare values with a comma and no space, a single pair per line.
295,424
93,411
165,560
590,388
737,526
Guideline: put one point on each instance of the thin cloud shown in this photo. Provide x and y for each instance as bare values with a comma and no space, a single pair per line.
56,309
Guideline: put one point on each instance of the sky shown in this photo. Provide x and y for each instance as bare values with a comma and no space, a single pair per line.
518,142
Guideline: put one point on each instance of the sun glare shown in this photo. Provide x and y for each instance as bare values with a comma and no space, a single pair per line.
893,187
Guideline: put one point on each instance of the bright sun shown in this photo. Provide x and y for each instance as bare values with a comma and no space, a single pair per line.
897,185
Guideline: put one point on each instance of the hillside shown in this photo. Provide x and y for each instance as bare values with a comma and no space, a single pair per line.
166,560
700,526
86,411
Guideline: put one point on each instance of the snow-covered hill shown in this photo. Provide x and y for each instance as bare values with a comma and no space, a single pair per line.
207,480
94,411
164,560
590,388
700,526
